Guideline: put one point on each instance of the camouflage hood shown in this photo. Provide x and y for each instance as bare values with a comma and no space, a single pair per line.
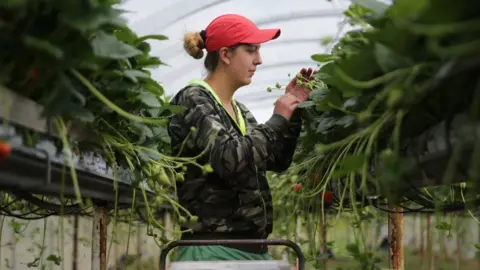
236,197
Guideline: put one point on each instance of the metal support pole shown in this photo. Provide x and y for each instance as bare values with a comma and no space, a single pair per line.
99,238
168,224
395,239
429,252
323,239
115,247
75,243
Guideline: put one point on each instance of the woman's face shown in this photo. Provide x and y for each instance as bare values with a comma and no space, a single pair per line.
242,63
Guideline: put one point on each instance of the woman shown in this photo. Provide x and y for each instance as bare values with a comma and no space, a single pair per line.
233,201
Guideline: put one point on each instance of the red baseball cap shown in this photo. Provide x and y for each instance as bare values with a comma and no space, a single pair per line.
230,29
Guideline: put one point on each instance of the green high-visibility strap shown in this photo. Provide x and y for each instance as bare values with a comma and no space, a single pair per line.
240,125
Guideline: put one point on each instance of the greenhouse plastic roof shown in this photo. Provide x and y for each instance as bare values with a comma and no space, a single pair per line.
303,23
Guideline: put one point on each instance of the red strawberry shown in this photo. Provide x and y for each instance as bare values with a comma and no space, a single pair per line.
5,150
297,188
328,198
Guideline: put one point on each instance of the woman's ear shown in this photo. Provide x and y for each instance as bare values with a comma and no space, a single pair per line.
225,55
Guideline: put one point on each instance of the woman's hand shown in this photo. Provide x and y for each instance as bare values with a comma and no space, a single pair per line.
300,91
286,105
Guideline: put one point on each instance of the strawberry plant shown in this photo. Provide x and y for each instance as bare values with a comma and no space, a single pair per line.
379,88
403,70
87,68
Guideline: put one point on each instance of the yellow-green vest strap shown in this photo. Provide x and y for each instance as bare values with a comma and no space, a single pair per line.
240,125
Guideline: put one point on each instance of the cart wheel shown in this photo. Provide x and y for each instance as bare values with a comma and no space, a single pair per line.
269,242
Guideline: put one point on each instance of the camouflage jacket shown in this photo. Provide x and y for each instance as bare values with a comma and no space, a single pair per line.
235,198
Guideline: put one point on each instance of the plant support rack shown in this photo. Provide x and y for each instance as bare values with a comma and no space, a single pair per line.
42,168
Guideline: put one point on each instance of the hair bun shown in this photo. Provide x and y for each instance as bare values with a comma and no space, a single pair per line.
193,43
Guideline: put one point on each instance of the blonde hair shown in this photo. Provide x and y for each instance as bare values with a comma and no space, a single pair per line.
193,44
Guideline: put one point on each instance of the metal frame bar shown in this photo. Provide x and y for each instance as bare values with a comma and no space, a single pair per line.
44,176
395,240
268,242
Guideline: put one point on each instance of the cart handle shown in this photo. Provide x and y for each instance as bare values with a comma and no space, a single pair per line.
268,242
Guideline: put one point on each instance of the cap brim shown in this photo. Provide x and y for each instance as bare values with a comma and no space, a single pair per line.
262,36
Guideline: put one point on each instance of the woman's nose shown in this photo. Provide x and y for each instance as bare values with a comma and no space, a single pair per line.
258,60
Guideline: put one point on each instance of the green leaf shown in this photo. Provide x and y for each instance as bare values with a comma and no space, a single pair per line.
155,112
443,226
149,99
34,263
346,121
108,46
377,7
117,85
477,246
387,59
408,9
324,124
111,74
70,86
80,113
141,129
154,87
58,100
93,19
172,108
126,35
326,40
144,47
147,156
356,68
323,97
322,58
391,171
43,46
306,104
321,76
143,38
134,74
352,163
151,62
55,259
319,94
353,249
162,133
